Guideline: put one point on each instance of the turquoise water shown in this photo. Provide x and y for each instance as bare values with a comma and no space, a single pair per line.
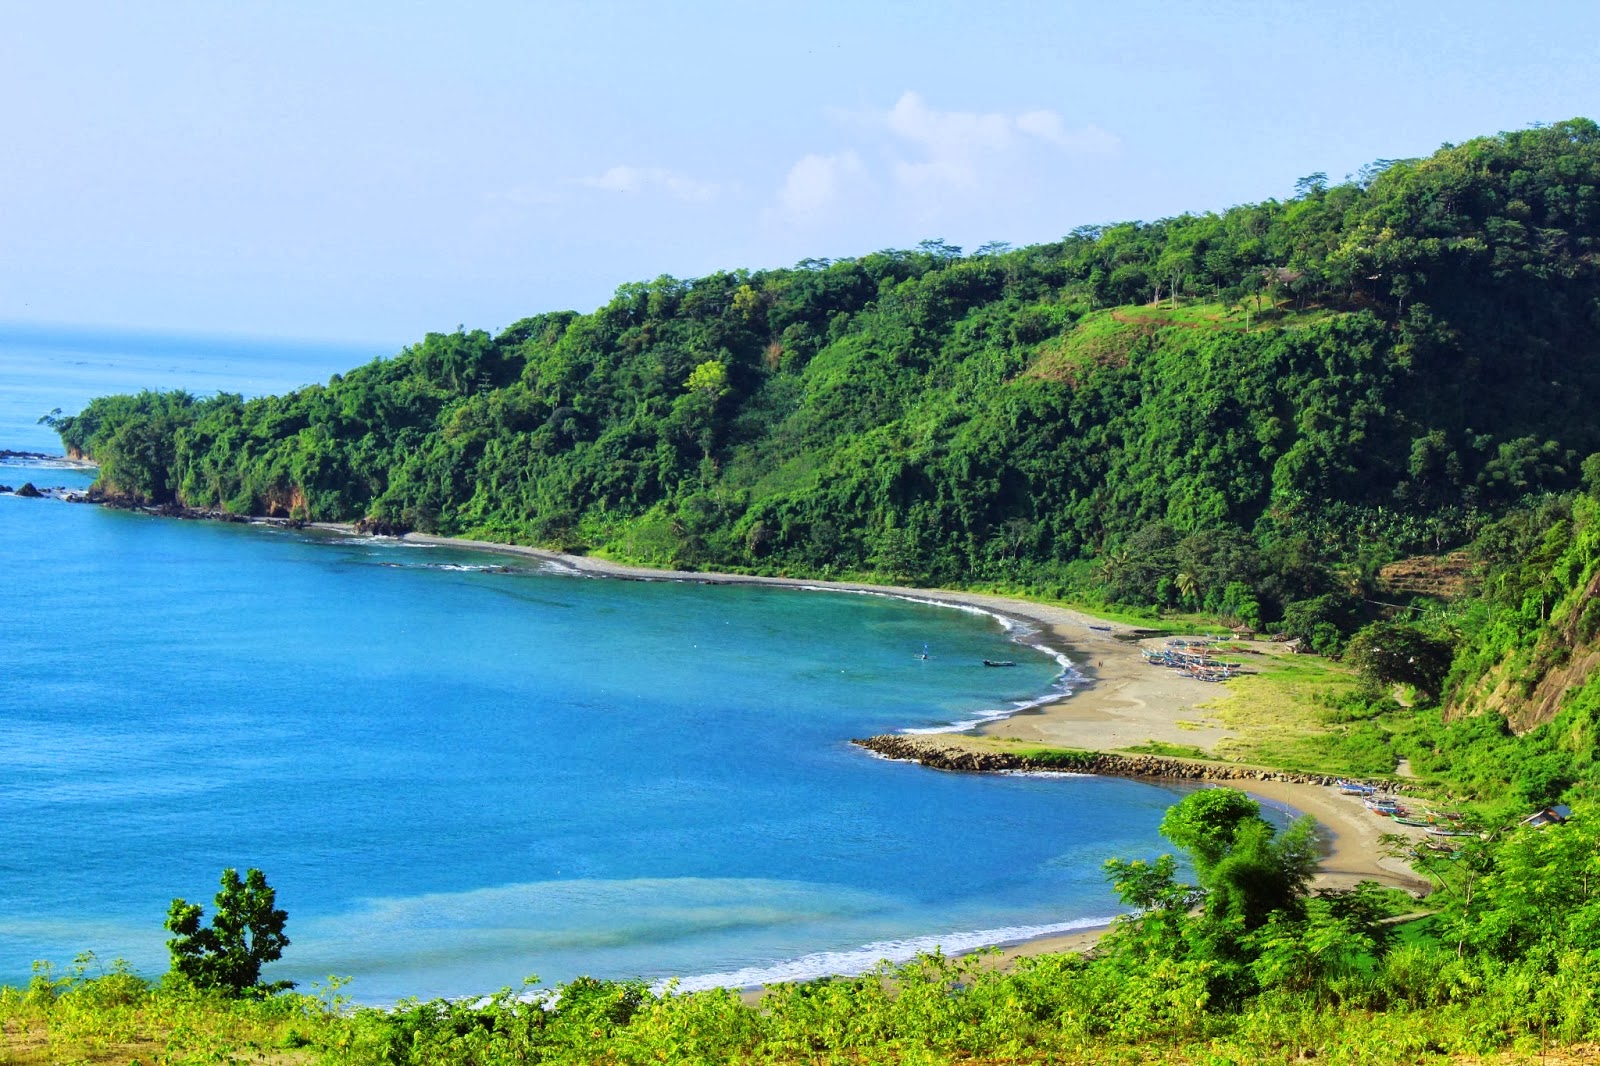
460,770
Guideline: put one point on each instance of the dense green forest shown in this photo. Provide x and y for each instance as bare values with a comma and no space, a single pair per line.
1237,412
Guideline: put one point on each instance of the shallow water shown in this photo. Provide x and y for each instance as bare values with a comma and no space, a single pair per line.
460,770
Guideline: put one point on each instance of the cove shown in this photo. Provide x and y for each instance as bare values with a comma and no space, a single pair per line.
461,769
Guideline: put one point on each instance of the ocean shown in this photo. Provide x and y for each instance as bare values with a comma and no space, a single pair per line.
462,770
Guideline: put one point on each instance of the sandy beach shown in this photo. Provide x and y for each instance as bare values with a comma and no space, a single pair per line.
1122,702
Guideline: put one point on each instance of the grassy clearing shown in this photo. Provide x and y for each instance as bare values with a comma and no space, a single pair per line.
1294,713
1108,337
1171,751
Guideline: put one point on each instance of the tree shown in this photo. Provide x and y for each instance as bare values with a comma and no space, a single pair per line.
1389,653
1250,877
245,932
1247,869
1206,823
1311,184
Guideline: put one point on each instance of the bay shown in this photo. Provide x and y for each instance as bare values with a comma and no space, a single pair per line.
461,769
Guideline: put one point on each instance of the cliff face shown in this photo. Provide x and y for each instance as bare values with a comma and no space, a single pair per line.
1529,686
285,503
1542,643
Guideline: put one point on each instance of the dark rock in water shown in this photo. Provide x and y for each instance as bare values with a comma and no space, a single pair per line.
27,489
5,488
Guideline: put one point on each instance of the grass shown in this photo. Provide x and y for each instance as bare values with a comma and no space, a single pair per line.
1279,715
1299,713
118,1017
1171,751
1109,337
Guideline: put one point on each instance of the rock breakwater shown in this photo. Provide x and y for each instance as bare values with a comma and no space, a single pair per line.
945,756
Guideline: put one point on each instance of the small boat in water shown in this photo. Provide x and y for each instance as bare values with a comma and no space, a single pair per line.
998,662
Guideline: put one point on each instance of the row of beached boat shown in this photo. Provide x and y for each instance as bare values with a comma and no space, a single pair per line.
1434,823
1197,664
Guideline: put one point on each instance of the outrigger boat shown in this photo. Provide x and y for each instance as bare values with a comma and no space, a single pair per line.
998,662
1196,664
1453,831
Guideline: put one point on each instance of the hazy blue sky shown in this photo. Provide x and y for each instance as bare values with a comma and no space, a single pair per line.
372,171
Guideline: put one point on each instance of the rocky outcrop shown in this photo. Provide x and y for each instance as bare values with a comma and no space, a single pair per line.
1529,686
945,756
285,503
379,527
172,509
27,489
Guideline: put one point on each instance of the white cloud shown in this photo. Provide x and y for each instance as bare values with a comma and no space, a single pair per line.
635,180
947,133
1087,140
957,146
817,181
933,159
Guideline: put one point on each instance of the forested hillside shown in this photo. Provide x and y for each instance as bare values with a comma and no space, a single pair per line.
1244,412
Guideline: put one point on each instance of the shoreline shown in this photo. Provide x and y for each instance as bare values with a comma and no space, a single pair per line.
1122,702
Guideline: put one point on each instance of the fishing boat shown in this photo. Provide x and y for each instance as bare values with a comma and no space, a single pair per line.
998,662
1454,831
1354,788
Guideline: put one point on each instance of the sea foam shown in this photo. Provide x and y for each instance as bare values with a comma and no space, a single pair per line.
867,957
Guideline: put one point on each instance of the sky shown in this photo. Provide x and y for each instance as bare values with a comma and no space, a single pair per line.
369,172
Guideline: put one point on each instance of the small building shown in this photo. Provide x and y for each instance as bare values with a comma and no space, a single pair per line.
1548,816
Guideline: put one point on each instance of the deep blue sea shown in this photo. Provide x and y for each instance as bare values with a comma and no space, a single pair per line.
460,770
